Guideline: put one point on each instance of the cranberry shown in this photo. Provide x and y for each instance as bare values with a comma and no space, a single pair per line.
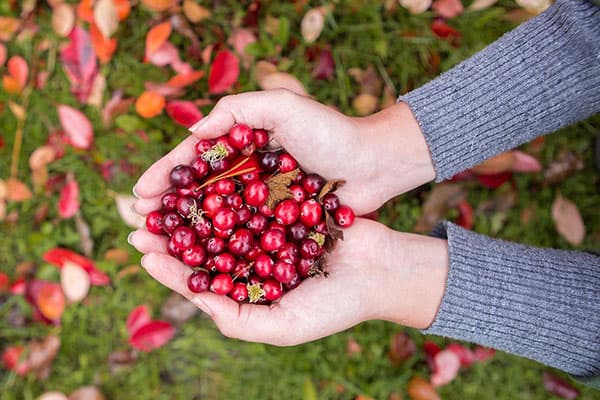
215,245
297,231
311,249
193,190
299,178
239,292
194,256
278,226
321,227
287,163
310,213
223,233
224,262
209,189
244,215
256,193
169,201
254,280
231,150
288,252
181,176
287,212
220,165
248,150
221,284
261,138
263,266
183,238
198,281
304,265
257,224
298,192
212,203
265,210
240,136
203,228
225,219
273,289
312,183
225,186
171,221
210,264
254,252
154,222
331,202
272,240
293,284
269,161
344,216
204,145
240,242
185,204
249,177
200,168
235,201
172,248
241,270
283,271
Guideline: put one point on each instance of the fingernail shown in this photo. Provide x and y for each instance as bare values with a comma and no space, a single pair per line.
198,124
143,261
129,237
137,196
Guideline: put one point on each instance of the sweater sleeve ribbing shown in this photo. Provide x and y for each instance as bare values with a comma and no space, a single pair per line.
534,80
543,304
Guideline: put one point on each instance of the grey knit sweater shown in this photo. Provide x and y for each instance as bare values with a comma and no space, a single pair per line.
541,304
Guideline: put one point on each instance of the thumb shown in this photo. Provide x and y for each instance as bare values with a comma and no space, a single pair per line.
259,110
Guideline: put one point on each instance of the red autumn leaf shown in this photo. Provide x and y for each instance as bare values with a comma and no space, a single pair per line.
76,126
464,354
103,47
50,300
325,66
18,287
523,162
4,282
115,106
79,62
68,203
12,360
494,181
18,69
465,214
224,72
183,112
559,387
123,8
444,31
483,353
58,256
167,54
152,335
446,366
137,318
156,37
431,349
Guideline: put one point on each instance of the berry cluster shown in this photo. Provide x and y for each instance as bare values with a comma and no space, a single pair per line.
249,222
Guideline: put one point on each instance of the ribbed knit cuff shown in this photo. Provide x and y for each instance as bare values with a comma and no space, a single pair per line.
540,77
542,304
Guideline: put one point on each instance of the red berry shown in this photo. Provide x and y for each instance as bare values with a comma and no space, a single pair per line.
215,245
172,248
222,233
240,242
287,163
310,213
224,262
239,292
261,138
287,212
288,252
225,186
321,227
200,168
193,191
263,266
185,204
203,228
241,270
272,240
304,265
254,252
257,224
283,271
235,201
183,238
265,210
297,231
212,203
204,145
198,281
181,176
269,161
273,289
278,226
225,219
256,193
221,284
331,202
194,256
293,284
313,183
298,192
249,177
169,201
231,150
209,189
344,216
154,222
243,215
220,165
171,221
311,249
240,136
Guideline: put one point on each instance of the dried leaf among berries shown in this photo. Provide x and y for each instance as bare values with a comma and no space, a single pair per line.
279,187
329,187
332,228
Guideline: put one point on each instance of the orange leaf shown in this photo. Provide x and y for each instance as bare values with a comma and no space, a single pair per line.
8,26
103,47
123,8
159,5
420,389
85,11
10,84
183,80
17,190
51,301
156,37
18,68
150,104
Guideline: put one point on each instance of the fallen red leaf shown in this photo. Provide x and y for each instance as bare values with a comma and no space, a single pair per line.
79,62
183,112
559,387
4,282
465,355
152,335
402,347
58,256
12,360
444,31
77,127
224,72
483,353
18,69
85,10
2,54
18,287
137,318
446,365
68,203
448,8
465,214
431,349
494,181
103,47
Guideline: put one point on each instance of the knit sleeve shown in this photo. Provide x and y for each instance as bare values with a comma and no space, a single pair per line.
534,80
542,304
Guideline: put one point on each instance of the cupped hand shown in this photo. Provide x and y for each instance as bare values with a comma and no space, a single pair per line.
378,156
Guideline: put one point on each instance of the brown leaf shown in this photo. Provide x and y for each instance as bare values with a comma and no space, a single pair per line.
332,229
365,104
117,255
17,190
279,187
85,236
368,79
330,186
565,165
420,389
87,393
40,354
402,348
120,360
568,220
39,178
441,198
63,19
177,309
195,12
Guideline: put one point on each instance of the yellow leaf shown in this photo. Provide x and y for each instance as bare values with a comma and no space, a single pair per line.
17,110
195,12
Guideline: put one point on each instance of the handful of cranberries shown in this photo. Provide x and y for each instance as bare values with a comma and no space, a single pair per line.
247,220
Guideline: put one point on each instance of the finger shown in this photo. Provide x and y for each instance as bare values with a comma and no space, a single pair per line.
146,242
144,206
156,178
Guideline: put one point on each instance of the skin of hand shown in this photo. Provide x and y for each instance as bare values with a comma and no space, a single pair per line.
375,273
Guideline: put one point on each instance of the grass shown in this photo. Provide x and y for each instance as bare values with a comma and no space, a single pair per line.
199,363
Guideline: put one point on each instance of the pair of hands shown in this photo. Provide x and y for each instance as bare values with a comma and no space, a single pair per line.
375,273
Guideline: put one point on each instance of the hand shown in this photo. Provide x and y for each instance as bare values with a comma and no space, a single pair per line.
379,156
374,273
